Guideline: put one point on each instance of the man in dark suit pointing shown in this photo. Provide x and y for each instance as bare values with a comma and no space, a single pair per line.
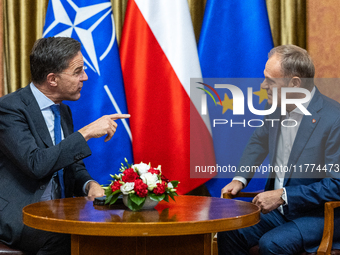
292,205
40,154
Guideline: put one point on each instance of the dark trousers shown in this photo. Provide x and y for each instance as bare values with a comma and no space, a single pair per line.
274,234
44,243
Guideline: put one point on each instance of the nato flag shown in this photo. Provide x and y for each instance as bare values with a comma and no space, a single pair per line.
92,24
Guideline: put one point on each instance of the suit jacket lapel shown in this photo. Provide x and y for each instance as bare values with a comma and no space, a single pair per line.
307,126
36,115
273,135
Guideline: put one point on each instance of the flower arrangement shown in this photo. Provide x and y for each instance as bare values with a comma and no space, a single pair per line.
138,182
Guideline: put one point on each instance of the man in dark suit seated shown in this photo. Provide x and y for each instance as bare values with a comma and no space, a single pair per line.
40,154
307,149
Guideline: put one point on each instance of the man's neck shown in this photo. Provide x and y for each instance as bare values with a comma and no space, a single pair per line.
44,89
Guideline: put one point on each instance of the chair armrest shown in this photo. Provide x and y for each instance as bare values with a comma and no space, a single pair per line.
328,230
228,195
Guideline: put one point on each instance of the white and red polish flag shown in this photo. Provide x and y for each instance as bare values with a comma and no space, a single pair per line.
159,56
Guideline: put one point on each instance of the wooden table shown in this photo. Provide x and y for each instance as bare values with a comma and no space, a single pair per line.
181,227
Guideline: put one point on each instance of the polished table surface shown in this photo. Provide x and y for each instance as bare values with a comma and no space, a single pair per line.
188,215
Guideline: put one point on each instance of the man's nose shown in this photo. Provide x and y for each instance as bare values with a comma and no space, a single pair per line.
84,76
264,85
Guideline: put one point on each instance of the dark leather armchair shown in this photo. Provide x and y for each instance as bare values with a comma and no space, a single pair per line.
5,250
325,247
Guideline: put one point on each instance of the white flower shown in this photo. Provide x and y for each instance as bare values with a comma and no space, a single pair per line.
127,187
150,179
142,168
170,186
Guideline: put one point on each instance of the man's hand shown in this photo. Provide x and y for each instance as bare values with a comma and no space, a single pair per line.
234,187
269,200
105,125
94,189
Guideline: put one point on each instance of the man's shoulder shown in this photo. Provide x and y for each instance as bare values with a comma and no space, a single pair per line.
329,102
16,98
330,105
329,111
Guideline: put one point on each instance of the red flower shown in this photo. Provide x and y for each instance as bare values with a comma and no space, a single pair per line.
154,171
164,179
141,188
115,186
129,175
160,189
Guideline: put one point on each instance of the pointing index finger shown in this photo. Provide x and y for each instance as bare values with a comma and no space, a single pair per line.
117,116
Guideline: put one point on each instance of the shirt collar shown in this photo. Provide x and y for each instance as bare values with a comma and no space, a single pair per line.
43,101
297,109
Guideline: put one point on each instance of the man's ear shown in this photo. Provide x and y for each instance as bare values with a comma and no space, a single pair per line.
295,82
52,79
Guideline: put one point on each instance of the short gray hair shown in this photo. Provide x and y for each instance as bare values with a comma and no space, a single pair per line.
295,61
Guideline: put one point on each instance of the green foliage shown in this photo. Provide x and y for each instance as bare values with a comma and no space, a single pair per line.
172,195
135,203
155,197
174,183
111,197
166,197
136,199
123,167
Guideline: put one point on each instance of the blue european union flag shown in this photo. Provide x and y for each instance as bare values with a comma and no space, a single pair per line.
92,24
234,43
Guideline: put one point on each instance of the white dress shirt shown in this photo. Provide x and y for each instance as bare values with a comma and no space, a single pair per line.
44,103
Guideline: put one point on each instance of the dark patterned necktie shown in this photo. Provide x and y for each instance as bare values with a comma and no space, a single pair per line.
57,138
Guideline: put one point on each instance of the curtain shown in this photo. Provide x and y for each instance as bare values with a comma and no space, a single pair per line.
23,23
287,20
119,8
